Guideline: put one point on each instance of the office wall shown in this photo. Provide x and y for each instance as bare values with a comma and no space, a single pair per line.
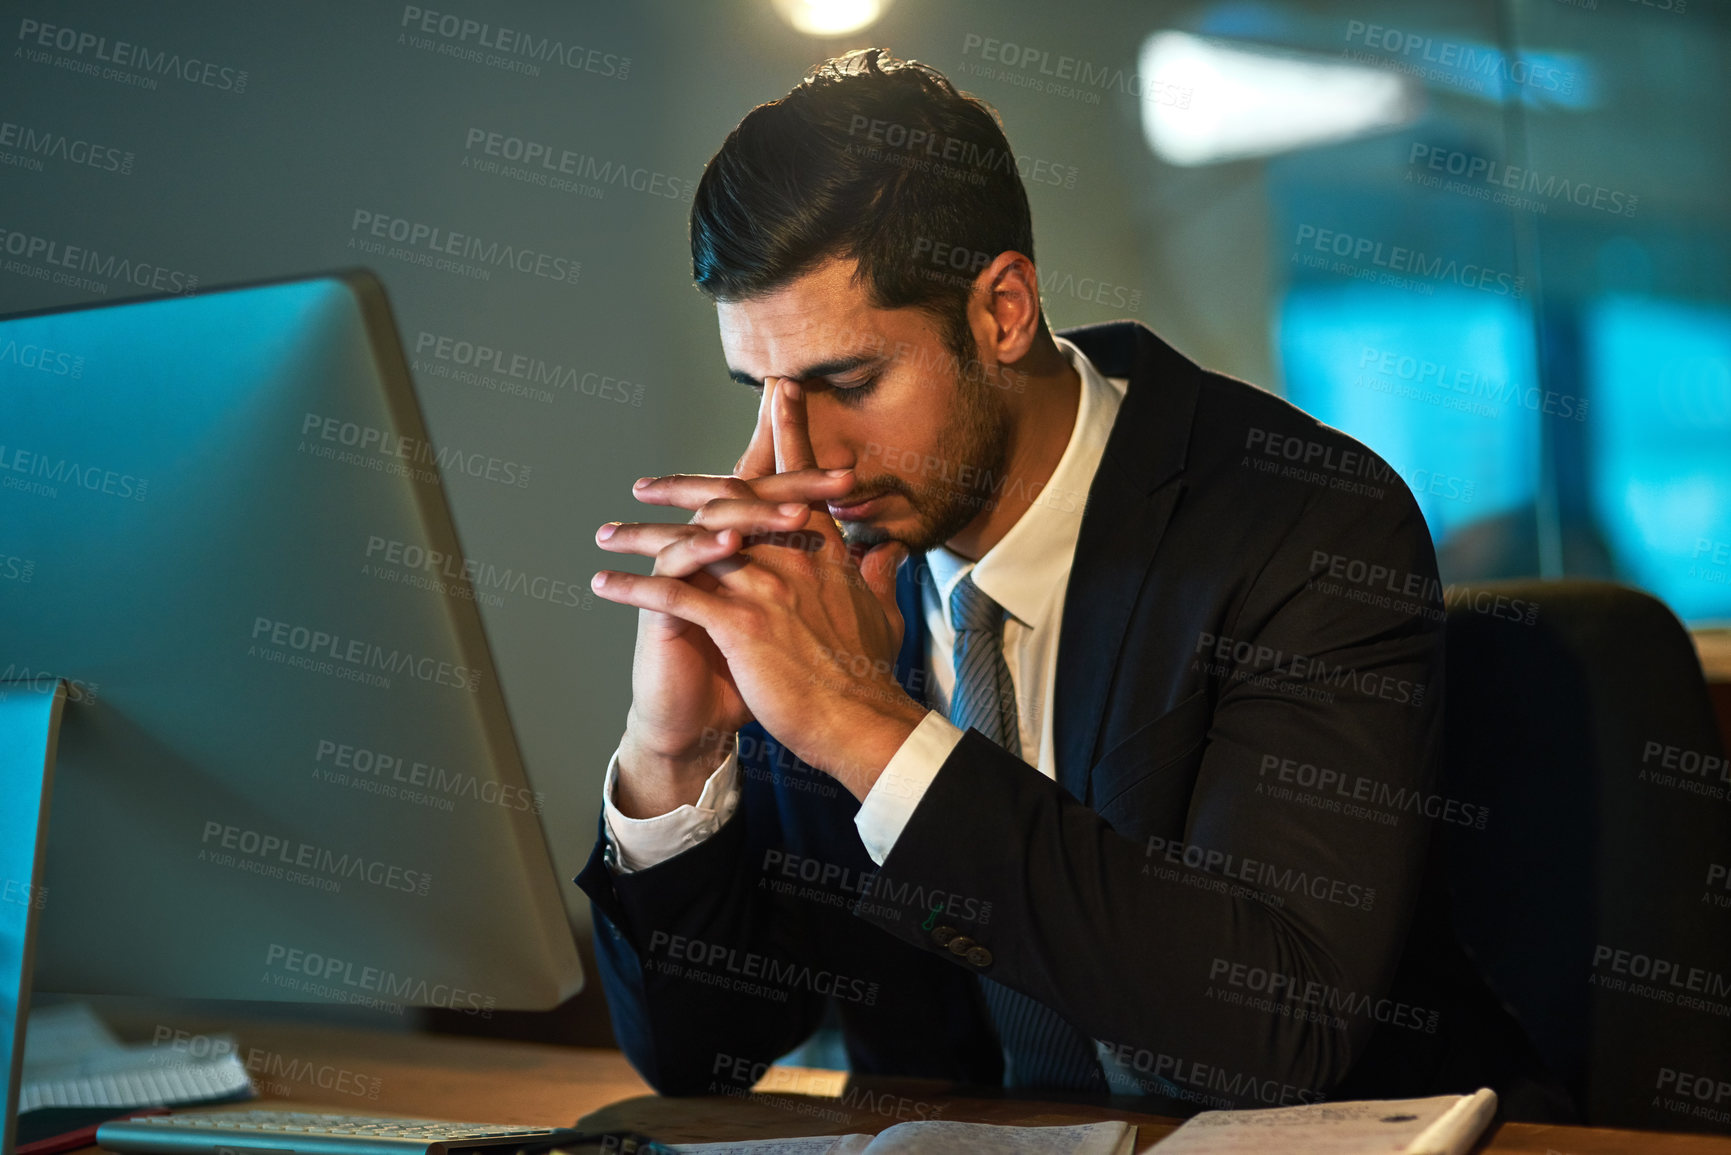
320,127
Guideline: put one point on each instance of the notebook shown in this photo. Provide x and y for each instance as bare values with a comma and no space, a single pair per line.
1441,1125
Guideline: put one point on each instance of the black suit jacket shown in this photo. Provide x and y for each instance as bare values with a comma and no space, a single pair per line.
1219,884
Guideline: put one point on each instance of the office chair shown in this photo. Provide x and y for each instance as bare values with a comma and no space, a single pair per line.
1589,902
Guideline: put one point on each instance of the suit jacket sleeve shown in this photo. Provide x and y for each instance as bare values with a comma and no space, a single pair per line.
721,959
1157,943
672,939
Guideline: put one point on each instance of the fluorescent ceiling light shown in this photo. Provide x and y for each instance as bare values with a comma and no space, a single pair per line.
1205,101
830,17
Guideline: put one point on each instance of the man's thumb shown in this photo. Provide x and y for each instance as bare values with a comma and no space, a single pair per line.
879,567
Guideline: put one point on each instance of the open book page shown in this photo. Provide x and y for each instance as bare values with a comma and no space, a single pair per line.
815,1145
72,1060
60,1035
1442,1125
935,1137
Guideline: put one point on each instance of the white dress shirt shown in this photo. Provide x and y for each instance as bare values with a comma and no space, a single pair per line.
1027,572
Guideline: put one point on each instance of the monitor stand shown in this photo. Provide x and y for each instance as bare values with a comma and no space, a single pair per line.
29,727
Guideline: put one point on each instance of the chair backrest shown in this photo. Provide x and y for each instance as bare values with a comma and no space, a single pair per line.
1595,902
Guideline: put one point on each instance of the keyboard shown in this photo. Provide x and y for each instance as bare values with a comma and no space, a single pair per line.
308,1133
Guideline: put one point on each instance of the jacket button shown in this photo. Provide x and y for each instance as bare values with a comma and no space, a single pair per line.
980,957
961,944
943,934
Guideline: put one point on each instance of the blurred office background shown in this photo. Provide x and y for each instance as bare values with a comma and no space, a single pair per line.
1490,238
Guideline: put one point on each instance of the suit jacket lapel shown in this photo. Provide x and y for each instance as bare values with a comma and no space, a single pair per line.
1133,495
1120,533
1129,504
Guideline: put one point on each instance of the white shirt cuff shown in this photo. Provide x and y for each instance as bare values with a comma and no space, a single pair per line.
896,794
639,843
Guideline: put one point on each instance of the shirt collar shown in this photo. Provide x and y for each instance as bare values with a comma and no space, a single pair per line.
1021,570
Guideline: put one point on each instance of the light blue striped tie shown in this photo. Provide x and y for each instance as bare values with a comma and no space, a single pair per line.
1041,1049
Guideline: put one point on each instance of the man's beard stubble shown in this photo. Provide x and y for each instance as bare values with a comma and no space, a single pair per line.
976,434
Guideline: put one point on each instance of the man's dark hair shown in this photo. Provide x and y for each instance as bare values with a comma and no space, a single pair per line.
873,158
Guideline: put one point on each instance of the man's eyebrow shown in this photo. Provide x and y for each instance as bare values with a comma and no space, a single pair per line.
830,368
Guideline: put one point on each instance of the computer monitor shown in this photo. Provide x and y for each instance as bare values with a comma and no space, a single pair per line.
285,767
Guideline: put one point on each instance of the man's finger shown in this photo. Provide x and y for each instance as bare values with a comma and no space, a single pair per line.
792,434
759,457
668,595
693,490
878,568
678,550
685,556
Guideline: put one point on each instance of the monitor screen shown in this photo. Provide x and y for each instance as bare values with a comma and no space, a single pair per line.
286,769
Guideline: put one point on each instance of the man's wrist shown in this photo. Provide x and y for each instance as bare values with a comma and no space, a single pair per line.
873,742
634,844
651,783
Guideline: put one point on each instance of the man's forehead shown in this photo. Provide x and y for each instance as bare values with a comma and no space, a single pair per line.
784,333
824,355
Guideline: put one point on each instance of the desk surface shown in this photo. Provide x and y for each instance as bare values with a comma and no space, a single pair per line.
368,1072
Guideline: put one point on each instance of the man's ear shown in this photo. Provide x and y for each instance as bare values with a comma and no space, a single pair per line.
1004,308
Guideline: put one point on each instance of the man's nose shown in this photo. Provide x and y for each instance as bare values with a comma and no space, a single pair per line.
829,448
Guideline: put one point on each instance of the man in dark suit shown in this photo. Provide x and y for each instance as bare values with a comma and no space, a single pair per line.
1122,783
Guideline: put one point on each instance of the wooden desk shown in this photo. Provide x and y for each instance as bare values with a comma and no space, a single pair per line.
534,1083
